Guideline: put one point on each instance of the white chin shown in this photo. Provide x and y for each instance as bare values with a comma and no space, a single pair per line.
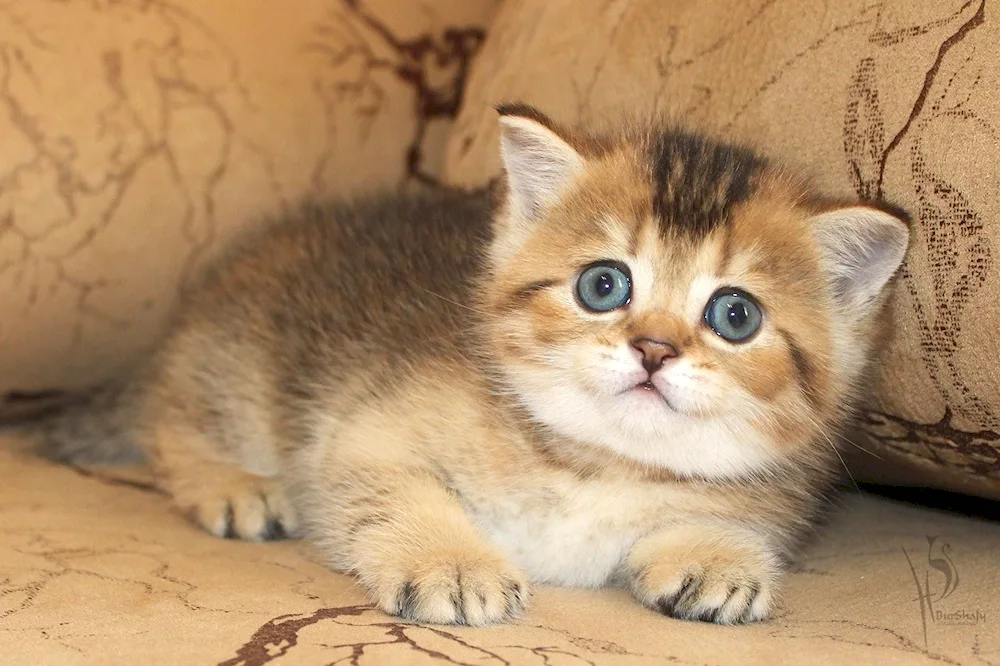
643,426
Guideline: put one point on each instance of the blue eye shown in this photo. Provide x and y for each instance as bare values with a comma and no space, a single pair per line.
604,287
733,314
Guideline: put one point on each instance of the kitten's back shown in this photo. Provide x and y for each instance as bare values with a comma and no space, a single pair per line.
339,295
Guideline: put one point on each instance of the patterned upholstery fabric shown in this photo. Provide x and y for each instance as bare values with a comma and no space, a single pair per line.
138,137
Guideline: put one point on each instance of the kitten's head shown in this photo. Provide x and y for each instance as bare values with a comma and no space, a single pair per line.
678,301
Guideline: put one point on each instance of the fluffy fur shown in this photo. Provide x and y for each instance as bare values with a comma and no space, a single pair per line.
412,383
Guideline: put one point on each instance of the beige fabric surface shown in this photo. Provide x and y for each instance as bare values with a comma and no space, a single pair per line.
138,136
897,99
99,571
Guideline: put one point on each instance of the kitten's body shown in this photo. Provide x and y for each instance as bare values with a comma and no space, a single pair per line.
412,386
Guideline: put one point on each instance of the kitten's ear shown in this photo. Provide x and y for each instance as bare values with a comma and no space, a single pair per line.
864,247
539,163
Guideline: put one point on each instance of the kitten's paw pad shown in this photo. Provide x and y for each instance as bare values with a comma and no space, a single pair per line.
711,580
246,507
475,591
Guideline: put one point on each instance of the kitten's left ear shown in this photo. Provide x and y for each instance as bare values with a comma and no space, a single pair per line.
864,247
539,163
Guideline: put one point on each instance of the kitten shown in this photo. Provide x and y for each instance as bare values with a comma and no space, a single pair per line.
630,370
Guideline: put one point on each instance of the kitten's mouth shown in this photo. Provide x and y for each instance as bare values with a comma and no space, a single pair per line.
648,387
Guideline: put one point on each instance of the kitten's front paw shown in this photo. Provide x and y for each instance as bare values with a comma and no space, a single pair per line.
454,587
234,504
702,574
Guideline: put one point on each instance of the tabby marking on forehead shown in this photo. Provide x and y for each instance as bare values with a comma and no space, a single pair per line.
696,182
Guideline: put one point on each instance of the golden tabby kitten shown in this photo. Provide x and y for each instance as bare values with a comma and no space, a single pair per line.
630,371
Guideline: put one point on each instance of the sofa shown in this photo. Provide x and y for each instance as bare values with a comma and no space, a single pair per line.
139,137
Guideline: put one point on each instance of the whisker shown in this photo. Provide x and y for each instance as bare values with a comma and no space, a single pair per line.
841,458
456,303
858,446
842,438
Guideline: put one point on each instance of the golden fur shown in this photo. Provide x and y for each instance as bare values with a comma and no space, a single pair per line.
411,383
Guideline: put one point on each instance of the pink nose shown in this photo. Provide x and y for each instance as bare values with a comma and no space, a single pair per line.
654,353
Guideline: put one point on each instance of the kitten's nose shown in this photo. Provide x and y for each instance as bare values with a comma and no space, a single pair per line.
654,353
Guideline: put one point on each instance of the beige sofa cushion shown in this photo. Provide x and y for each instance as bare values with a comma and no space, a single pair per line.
137,137
897,99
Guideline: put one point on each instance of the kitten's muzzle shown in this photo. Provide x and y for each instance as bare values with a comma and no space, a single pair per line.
654,353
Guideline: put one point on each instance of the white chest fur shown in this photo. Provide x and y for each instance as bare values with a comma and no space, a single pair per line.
568,533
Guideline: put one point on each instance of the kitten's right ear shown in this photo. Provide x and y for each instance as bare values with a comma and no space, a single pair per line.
539,163
864,247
